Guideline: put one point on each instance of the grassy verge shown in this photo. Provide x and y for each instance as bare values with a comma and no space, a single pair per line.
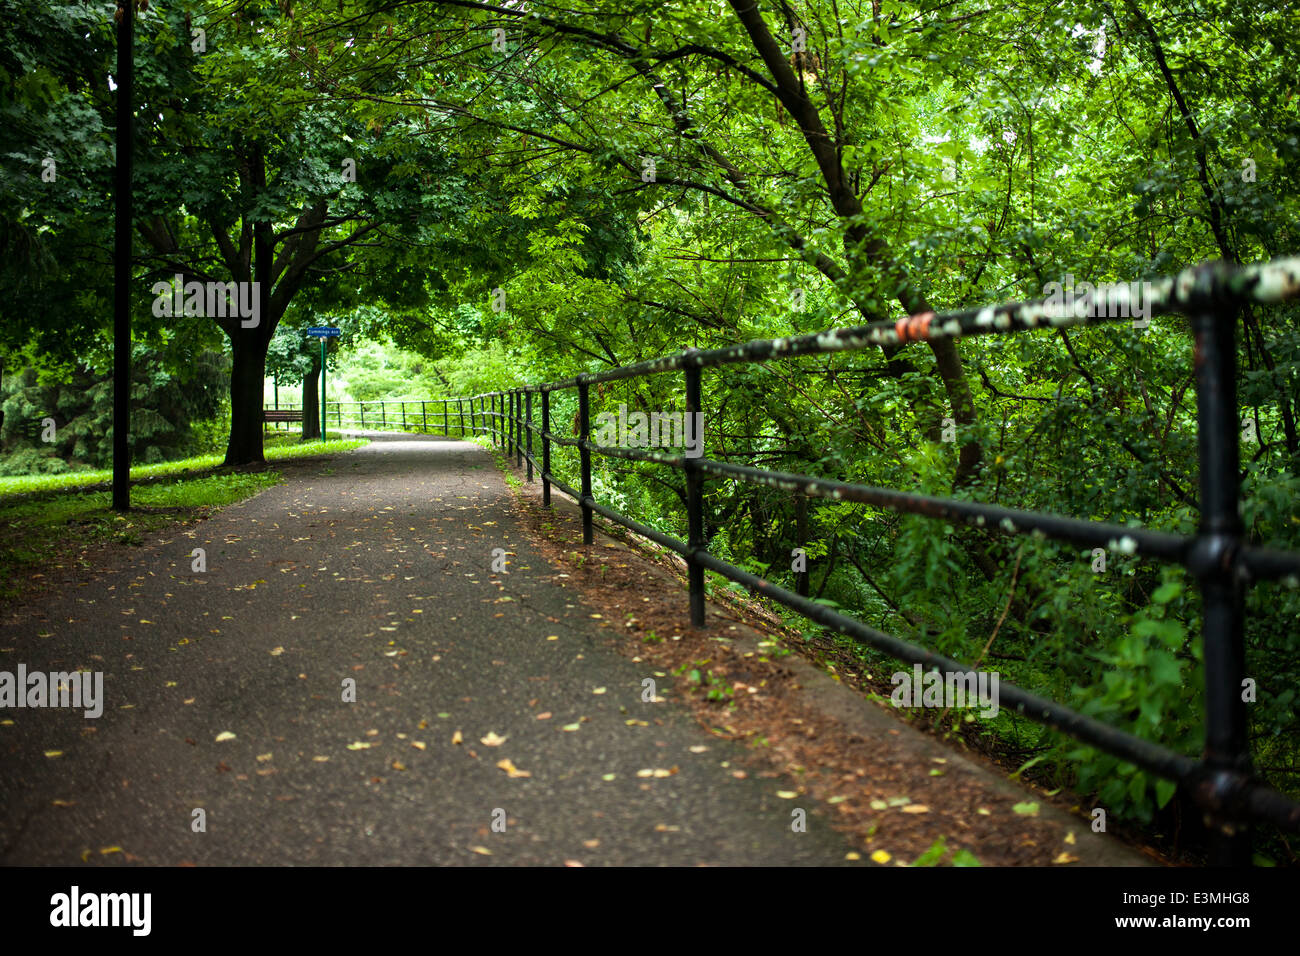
277,448
43,532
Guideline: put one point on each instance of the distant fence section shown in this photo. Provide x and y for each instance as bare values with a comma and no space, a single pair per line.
434,416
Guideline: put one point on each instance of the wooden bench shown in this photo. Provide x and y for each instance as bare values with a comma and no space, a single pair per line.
272,415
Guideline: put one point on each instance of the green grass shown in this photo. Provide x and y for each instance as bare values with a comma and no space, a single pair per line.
504,466
59,531
40,531
277,448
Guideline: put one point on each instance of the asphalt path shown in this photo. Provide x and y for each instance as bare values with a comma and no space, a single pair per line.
374,567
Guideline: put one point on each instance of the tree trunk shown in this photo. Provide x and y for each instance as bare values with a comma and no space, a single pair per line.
249,345
247,384
311,400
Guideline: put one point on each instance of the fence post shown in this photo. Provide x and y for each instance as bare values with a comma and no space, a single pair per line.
1213,560
519,428
446,428
510,425
460,413
403,415
801,541
546,448
584,457
695,499
496,438
383,415
424,418
528,432
363,416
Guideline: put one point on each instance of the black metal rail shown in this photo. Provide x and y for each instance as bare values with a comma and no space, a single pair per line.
1222,561
445,416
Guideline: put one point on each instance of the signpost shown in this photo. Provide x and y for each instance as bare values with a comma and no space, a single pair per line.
323,332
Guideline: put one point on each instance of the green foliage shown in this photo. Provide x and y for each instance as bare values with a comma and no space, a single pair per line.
701,677
1147,677
167,400
939,849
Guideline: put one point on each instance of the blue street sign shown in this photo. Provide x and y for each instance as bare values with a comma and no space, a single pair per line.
324,331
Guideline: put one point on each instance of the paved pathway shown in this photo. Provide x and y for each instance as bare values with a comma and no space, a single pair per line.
374,567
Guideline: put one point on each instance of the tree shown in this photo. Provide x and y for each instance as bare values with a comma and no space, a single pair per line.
294,359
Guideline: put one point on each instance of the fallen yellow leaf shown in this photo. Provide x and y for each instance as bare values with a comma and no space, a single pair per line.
511,770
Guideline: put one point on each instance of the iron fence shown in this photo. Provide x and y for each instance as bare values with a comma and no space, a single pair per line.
444,416
1220,558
